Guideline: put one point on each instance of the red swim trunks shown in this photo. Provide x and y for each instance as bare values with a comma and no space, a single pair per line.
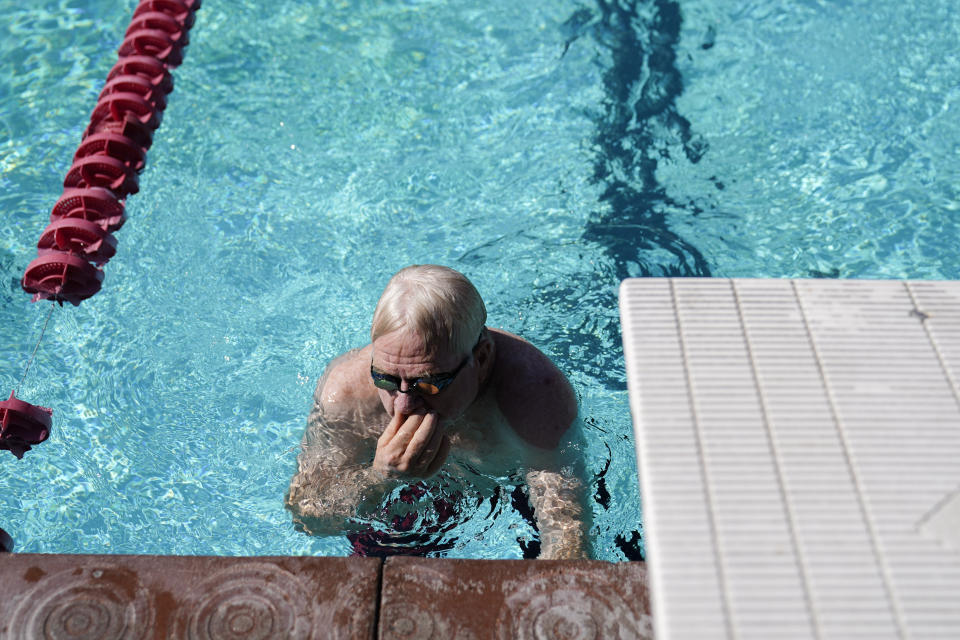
400,539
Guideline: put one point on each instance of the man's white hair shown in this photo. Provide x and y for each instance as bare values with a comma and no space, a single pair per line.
441,305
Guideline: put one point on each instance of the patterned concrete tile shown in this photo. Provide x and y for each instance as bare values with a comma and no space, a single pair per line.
141,597
513,599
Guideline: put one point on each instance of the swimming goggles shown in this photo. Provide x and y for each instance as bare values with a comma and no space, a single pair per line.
427,385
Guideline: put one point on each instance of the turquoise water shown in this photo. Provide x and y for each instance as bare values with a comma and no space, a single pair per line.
547,150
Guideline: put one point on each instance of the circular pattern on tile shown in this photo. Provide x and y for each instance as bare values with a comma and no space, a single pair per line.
401,618
84,604
408,621
570,607
562,622
250,602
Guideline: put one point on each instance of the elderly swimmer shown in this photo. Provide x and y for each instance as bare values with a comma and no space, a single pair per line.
436,385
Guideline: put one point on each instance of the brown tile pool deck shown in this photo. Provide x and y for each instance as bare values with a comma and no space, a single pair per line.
141,597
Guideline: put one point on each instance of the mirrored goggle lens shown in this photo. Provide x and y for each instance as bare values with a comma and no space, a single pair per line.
427,388
424,387
385,383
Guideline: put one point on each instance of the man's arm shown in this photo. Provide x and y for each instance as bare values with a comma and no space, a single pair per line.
323,497
334,475
345,465
541,406
559,504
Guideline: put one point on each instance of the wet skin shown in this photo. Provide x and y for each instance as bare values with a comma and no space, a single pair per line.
509,409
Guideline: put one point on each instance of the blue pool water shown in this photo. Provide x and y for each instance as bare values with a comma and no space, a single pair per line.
546,149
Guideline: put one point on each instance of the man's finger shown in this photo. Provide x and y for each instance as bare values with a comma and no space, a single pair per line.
426,456
441,456
408,429
392,428
420,438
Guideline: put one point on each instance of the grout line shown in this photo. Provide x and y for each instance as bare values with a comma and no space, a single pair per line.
923,317
376,603
933,343
940,504
629,324
855,477
708,494
778,465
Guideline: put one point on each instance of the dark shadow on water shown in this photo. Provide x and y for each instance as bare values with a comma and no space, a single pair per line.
11,279
637,128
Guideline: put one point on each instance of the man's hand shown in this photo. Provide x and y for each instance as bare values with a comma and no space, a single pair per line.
411,446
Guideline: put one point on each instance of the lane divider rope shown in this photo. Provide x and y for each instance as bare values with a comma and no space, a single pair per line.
112,152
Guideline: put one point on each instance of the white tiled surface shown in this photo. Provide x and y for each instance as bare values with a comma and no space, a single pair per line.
799,452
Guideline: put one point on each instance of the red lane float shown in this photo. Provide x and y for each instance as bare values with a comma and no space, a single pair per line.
23,425
104,172
81,238
119,107
162,21
180,10
114,145
62,276
95,204
146,67
112,152
130,83
152,42
128,126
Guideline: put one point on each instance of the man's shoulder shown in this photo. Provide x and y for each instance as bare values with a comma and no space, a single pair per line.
345,384
533,394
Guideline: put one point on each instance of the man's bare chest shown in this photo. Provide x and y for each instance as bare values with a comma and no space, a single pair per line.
484,439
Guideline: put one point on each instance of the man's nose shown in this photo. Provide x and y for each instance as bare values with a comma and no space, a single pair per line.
407,402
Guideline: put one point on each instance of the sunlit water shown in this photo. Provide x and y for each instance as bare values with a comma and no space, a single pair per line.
546,149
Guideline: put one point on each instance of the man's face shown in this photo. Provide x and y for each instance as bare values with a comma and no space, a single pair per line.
403,354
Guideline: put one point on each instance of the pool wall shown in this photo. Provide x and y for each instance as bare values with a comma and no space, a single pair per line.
113,596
